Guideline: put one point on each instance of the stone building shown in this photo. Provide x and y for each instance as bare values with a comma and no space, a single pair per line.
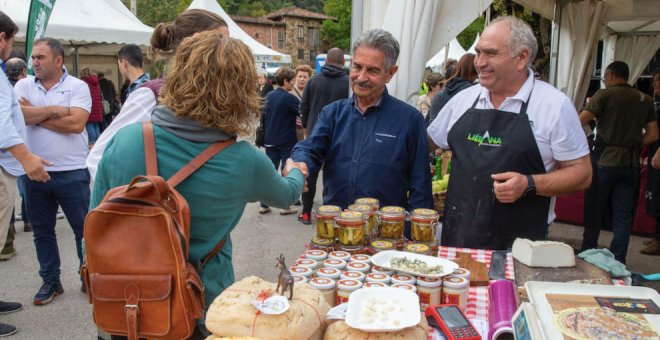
291,30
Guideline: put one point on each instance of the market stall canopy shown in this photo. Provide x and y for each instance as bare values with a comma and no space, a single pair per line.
421,27
261,52
95,26
472,48
629,28
455,52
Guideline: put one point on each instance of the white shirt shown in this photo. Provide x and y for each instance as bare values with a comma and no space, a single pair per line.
554,120
12,127
136,109
67,151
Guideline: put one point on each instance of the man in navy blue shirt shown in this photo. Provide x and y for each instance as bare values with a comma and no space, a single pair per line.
280,112
371,144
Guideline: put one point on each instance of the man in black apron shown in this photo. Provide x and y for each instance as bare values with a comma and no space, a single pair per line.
621,112
652,246
500,186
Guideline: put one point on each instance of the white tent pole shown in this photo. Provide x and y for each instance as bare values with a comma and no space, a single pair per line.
134,7
554,45
357,13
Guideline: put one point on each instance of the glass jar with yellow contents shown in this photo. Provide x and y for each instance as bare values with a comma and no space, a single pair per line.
373,219
351,225
423,225
325,216
391,222
368,213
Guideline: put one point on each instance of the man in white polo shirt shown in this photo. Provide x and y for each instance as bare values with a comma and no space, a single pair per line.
516,143
56,106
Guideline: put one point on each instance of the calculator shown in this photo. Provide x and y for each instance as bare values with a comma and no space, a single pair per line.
452,322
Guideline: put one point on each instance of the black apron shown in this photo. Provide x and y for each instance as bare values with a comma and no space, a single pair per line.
485,142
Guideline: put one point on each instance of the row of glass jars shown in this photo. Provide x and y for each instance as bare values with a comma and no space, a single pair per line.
355,228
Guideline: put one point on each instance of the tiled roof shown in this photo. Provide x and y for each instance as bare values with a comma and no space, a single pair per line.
294,11
262,21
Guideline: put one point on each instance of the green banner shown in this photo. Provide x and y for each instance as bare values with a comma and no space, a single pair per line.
36,26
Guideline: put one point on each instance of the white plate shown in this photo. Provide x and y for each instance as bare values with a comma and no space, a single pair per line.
382,259
395,308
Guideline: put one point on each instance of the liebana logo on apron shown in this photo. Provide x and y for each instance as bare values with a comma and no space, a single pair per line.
484,140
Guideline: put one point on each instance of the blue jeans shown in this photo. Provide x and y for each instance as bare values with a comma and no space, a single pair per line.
69,189
616,186
93,132
278,155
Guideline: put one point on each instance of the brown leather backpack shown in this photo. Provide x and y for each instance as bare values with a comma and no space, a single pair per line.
137,276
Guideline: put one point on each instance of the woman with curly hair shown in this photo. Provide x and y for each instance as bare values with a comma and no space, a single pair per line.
209,96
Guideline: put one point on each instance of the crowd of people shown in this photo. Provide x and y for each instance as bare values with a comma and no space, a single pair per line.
516,141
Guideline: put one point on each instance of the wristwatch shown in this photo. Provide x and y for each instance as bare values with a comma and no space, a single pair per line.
531,187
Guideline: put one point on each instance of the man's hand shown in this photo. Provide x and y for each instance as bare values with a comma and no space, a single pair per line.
34,168
291,164
509,186
655,161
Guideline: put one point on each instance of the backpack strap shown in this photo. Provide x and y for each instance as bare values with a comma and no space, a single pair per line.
149,149
212,253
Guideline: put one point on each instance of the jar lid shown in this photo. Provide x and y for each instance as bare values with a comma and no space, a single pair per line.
424,215
369,201
349,284
340,255
358,266
352,275
351,218
334,263
328,210
322,241
299,279
322,283
455,282
381,270
382,245
374,284
361,258
309,263
328,272
362,208
427,282
392,213
403,278
461,272
316,254
378,277
417,248
405,286
300,271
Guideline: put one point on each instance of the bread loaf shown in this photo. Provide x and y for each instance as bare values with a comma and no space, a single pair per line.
339,330
232,314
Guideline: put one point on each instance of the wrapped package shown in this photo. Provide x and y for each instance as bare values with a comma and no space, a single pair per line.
233,315
339,330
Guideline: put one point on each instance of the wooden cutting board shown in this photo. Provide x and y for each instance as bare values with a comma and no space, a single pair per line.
478,270
583,271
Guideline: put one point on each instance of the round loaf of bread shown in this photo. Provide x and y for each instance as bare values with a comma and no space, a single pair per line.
339,330
232,314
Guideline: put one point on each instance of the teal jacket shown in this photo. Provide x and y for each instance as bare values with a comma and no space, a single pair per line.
216,193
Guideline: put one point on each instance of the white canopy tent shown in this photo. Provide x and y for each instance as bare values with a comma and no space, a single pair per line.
261,52
629,28
421,27
455,51
472,48
93,26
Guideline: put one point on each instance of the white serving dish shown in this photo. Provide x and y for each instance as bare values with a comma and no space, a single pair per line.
537,291
382,259
401,307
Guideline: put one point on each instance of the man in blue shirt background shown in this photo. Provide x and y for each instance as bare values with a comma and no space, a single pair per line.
371,144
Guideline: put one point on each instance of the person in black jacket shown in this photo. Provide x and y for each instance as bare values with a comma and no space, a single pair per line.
463,77
322,89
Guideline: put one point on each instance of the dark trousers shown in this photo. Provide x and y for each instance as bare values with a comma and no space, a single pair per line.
69,189
308,197
278,155
616,186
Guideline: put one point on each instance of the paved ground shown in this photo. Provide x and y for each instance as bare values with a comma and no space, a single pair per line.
258,240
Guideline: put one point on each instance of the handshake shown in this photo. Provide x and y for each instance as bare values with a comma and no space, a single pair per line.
291,164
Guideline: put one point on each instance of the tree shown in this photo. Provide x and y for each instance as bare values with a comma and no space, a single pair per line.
337,33
152,12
